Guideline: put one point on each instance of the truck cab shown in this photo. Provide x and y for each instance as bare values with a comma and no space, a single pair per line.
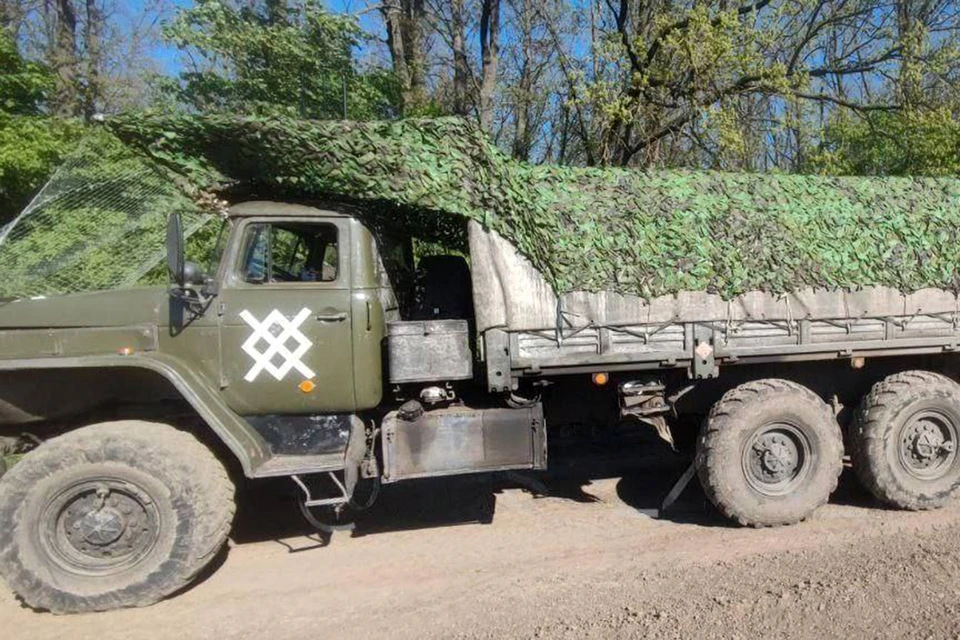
301,306
313,345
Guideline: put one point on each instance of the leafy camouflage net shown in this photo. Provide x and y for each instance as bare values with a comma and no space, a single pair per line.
97,224
646,233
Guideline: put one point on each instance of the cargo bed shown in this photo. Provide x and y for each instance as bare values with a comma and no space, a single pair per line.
533,331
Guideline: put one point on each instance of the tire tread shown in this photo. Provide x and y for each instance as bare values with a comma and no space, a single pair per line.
719,420
213,499
872,429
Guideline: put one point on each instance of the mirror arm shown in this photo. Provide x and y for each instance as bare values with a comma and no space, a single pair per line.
210,288
196,300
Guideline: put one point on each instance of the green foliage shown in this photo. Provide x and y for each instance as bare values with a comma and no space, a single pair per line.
99,224
685,68
23,85
913,142
647,233
31,144
30,149
294,63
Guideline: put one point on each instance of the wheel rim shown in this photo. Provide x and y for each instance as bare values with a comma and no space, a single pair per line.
100,526
776,459
928,445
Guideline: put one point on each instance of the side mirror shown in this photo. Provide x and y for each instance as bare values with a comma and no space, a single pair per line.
175,261
193,274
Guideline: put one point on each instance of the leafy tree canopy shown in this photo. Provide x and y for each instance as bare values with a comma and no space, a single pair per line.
276,60
23,85
31,143
912,142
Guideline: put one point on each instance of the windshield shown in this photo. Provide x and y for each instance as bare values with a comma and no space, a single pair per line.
206,245
219,246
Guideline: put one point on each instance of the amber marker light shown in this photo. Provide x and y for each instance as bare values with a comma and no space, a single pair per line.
601,378
307,386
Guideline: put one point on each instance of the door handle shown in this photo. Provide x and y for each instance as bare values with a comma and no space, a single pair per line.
332,317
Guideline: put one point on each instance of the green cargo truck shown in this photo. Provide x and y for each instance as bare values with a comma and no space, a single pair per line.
316,349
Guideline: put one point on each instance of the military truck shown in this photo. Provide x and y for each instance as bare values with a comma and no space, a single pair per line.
315,348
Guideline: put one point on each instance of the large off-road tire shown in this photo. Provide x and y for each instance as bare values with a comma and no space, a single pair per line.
770,453
119,514
905,438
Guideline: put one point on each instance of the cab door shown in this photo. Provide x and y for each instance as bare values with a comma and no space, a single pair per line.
285,318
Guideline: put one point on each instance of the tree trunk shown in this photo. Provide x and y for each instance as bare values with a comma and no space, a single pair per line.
523,95
64,60
911,22
404,22
461,64
93,93
489,54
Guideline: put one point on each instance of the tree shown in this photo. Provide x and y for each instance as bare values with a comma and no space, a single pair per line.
490,57
912,142
405,22
101,51
63,55
31,143
712,83
24,86
293,59
92,95
535,118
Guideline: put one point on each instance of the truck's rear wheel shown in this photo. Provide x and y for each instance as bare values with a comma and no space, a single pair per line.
113,515
769,453
905,437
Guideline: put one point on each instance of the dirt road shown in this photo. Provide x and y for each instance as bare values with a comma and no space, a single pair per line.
585,561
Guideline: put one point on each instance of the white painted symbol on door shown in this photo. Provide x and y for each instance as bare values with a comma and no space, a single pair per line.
276,330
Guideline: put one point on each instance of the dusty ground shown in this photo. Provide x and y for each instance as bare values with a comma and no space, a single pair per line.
586,561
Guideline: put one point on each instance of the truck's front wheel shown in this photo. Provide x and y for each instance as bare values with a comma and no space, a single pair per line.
113,515
770,453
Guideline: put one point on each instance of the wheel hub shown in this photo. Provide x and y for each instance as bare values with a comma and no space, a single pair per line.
102,526
775,459
926,445
778,455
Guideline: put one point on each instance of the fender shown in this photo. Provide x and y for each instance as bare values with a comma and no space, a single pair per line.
248,447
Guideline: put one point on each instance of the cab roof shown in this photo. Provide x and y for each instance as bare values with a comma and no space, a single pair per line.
259,208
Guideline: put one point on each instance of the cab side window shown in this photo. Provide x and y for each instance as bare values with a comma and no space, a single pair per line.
290,252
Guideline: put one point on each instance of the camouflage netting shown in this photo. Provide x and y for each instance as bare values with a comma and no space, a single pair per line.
643,233
97,224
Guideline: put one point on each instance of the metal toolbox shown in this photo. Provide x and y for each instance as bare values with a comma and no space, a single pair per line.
455,440
429,351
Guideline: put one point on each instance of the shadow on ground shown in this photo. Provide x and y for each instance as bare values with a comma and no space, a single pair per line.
646,470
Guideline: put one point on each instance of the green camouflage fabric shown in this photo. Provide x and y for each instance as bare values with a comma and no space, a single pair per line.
98,224
647,233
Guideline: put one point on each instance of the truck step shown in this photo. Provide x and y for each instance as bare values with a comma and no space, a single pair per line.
299,465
